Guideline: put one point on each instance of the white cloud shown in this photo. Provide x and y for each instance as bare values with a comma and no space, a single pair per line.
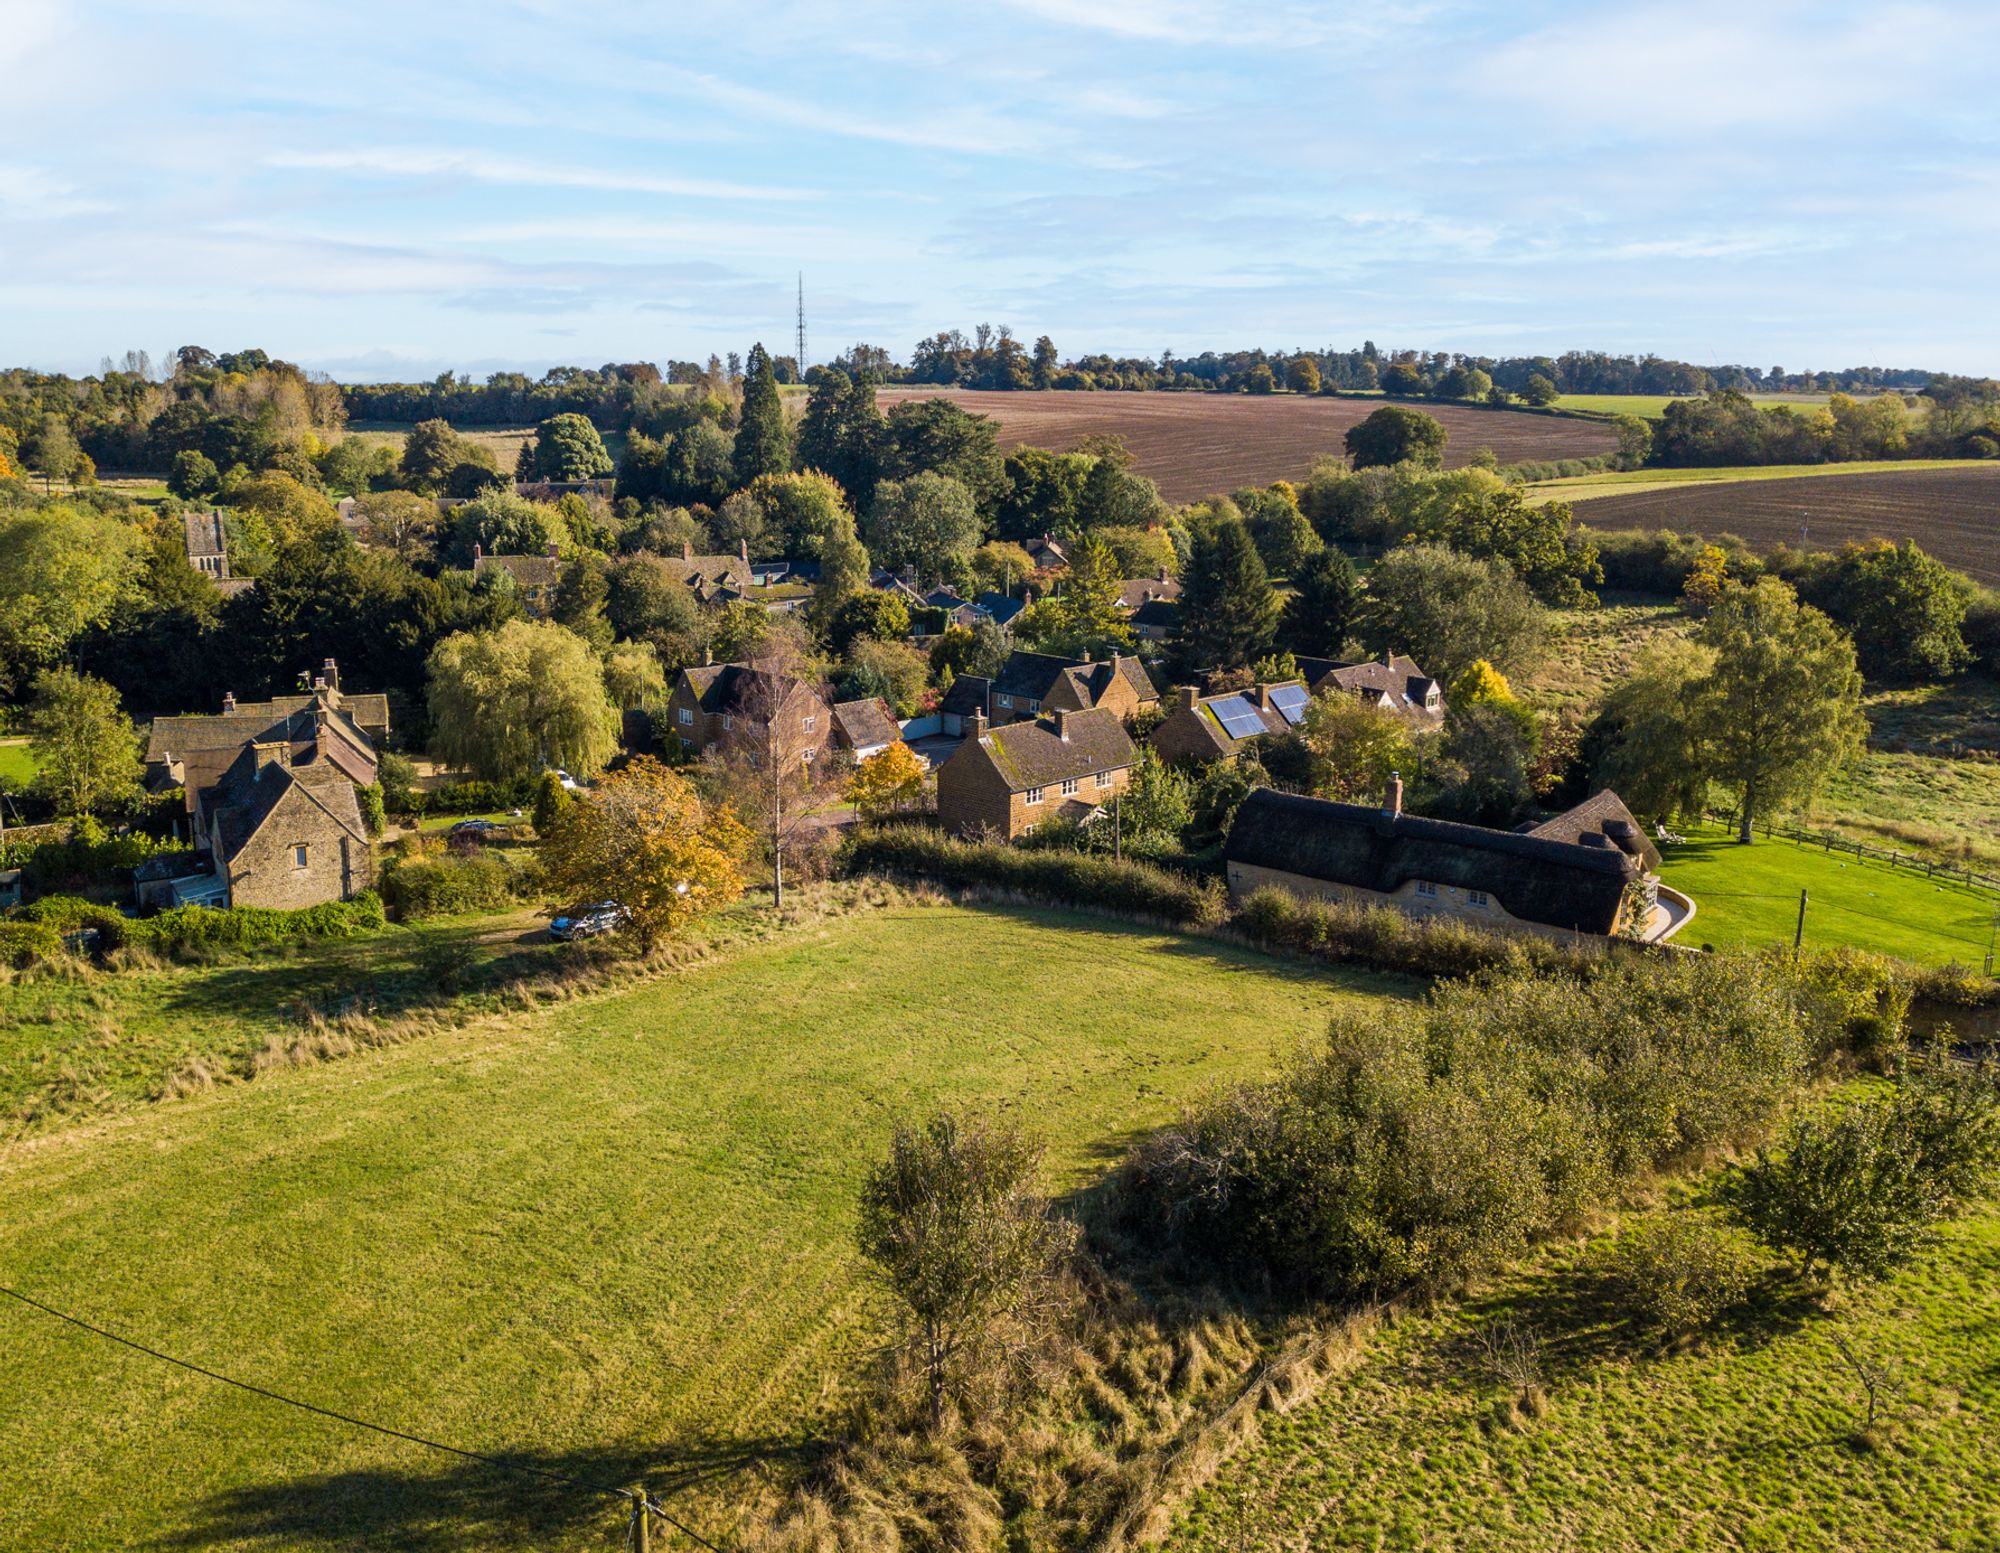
417,162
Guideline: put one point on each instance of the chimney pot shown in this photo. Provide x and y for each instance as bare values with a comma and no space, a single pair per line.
229,701
478,550
1392,804
1388,658
978,726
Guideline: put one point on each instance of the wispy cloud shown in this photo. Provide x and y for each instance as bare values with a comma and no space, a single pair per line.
420,162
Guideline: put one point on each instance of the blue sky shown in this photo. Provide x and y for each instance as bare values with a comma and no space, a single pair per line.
388,191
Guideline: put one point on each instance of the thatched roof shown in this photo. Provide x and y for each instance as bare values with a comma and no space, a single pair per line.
1558,884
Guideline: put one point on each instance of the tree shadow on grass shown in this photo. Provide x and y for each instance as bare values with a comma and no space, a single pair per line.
464,1505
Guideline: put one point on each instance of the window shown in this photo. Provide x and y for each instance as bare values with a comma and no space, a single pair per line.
1426,889
728,721
1006,701
1069,787
687,717
1103,780
1034,706
807,757
809,723
300,852
1032,795
1476,898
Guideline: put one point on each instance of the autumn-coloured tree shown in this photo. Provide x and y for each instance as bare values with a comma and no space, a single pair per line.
1706,580
888,782
1354,746
1480,682
644,838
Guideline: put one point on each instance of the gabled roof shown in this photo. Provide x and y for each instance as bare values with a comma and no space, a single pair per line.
1090,681
204,535
1558,884
1232,718
968,694
250,793
1030,674
1135,591
1054,749
733,688
866,724
295,718
1391,681
1602,820
1157,614
1001,606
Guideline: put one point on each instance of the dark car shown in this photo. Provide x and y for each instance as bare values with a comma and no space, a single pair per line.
589,921
473,828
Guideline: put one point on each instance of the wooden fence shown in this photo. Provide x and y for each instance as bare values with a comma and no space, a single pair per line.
1930,868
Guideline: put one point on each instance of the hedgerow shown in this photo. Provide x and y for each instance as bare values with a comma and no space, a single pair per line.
200,927
435,886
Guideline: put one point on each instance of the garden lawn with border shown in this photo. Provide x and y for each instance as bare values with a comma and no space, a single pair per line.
609,1237
1748,897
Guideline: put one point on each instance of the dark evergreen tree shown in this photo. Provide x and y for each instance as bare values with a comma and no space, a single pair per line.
1228,612
1324,611
763,443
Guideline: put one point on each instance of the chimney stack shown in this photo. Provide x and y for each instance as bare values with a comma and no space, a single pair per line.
228,702
976,726
553,556
1264,697
332,672
1392,803
1388,659
687,549
478,550
1164,578
1063,715
743,551
278,752
1187,695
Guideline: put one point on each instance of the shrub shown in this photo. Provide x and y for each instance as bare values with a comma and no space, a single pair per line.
71,914
1425,1143
1391,940
1067,878
473,798
1679,1273
445,886
201,927
24,943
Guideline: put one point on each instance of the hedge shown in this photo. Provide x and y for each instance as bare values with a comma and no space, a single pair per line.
191,927
444,886
23,943
470,798
1066,878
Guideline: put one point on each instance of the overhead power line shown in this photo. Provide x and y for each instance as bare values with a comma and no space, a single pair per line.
640,1501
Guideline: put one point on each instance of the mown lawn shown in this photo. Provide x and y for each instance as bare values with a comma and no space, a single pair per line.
1747,897
608,1236
17,766
1743,1443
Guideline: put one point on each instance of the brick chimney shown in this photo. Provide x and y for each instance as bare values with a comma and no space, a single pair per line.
278,752
1392,801
1163,575
1388,659
743,551
1186,696
478,550
1063,715
228,702
553,556
330,672
975,726
687,549
1264,697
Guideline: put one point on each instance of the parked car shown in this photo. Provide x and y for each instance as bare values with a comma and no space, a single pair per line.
589,921
473,828
568,782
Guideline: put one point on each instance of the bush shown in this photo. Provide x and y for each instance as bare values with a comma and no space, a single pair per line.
72,914
25,943
1066,878
474,798
1679,1273
1426,1143
202,927
446,886
1391,940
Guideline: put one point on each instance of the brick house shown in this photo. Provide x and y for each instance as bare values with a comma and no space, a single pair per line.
1005,781
865,727
1031,683
718,707
1199,729
535,577
1392,682
1590,872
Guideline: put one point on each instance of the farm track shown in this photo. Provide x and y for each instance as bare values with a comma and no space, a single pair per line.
1196,445
1953,513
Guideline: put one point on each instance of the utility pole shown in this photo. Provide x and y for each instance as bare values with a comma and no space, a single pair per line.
801,357
1118,828
1799,937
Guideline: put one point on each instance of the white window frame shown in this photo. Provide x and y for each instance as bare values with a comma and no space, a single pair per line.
1032,795
1006,701
687,717
807,758
1069,787
1478,898
1103,780
810,722
729,721
1034,706
1427,890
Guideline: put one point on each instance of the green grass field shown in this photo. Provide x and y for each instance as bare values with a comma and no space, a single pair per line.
1652,406
504,442
1743,1443
17,766
1747,897
1592,649
605,1237
1633,482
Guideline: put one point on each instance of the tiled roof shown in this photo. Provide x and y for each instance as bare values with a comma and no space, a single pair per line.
968,694
1002,607
1029,674
1135,591
1559,884
867,723
248,795
1398,685
1053,749
1159,614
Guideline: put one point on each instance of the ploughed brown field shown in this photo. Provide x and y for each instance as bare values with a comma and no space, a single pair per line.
1952,513
1197,445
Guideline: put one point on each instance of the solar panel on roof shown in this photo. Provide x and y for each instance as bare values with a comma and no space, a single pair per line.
1291,700
1238,717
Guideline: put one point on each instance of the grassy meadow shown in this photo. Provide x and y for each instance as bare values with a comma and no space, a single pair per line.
1744,1442
17,765
1652,406
605,1236
1634,482
1748,897
504,442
